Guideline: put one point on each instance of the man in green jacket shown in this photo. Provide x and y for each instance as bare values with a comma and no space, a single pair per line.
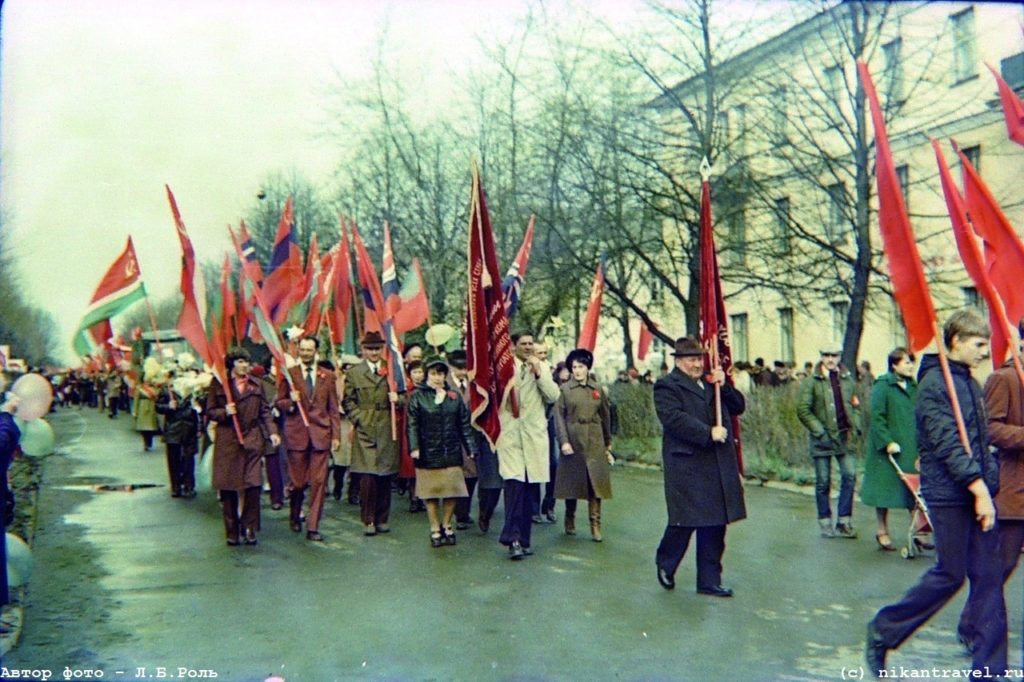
827,406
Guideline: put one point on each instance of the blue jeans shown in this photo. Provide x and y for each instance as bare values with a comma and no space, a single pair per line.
823,484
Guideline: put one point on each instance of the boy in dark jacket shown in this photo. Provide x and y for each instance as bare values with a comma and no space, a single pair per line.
957,484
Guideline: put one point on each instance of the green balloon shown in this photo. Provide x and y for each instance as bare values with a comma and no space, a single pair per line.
37,439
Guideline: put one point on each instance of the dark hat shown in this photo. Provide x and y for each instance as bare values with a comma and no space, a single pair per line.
687,347
457,358
581,355
779,364
372,339
434,361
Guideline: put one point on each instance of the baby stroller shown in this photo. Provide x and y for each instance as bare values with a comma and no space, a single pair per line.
919,534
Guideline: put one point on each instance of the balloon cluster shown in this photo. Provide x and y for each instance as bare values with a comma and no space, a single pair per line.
35,395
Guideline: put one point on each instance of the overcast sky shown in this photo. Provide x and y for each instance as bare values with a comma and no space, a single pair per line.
105,101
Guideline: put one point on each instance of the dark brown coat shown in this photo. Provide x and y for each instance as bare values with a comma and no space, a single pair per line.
583,419
237,466
321,411
1006,432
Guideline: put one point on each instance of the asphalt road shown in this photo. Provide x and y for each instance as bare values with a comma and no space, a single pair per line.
137,580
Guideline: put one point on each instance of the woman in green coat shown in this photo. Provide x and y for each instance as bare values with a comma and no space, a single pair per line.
893,432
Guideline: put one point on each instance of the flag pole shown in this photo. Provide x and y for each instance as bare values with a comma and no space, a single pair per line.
705,177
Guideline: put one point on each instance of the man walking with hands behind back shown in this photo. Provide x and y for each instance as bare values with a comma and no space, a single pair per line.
703,490
309,446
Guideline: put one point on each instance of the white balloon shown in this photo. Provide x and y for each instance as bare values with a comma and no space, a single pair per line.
19,561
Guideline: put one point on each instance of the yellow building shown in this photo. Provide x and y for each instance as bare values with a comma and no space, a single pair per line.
785,144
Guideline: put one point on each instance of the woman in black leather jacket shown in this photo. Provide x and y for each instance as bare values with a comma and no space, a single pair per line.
439,429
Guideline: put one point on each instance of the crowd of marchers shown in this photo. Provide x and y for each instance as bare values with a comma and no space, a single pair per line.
307,432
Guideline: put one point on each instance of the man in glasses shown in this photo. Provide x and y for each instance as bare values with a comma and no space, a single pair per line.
827,406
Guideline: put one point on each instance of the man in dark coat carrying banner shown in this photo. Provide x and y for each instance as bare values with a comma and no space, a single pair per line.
703,490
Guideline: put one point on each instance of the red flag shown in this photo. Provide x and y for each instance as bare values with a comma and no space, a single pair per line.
342,289
120,287
588,332
415,308
389,277
248,251
644,344
284,279
512,287
192,320
229,310
324,286
1004,253
905,271
1013,108
373,297
489,362
970,254
714,331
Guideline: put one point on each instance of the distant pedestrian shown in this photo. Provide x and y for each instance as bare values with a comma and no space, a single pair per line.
439,432
583,426
703,490
181,435
9,436
957,483
892,432
827,407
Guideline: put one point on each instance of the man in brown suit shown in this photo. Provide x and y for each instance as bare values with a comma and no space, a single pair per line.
1006,432
367,402
309,446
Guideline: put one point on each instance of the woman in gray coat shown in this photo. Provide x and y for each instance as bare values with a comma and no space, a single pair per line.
583,427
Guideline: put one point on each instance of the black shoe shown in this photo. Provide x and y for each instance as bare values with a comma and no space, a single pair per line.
665,579
527,551
436,539
296,526
314,536
875,650
463,525
250,537
515,552
449,536
484,524
354,501
715,591
537,518
550,516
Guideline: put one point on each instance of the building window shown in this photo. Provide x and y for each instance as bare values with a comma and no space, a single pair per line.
834,83
894,69
723,130
840,314
780,118
903,177
835,225
786,334
964,57
973,155
738,237
739,117
971,298
782,232
740,340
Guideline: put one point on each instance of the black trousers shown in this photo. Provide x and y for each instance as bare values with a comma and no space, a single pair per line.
710,547
962,550
489,498
375,499
463,504
181,469
517,512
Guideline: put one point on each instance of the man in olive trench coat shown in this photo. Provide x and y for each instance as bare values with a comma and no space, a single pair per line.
703,490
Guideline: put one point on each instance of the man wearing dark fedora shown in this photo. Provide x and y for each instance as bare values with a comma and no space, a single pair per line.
703,489
367,402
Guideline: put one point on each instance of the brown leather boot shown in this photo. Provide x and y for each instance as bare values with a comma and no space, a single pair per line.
594,505
229,510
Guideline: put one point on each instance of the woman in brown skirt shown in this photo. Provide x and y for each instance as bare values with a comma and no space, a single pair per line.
439,429
583,426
